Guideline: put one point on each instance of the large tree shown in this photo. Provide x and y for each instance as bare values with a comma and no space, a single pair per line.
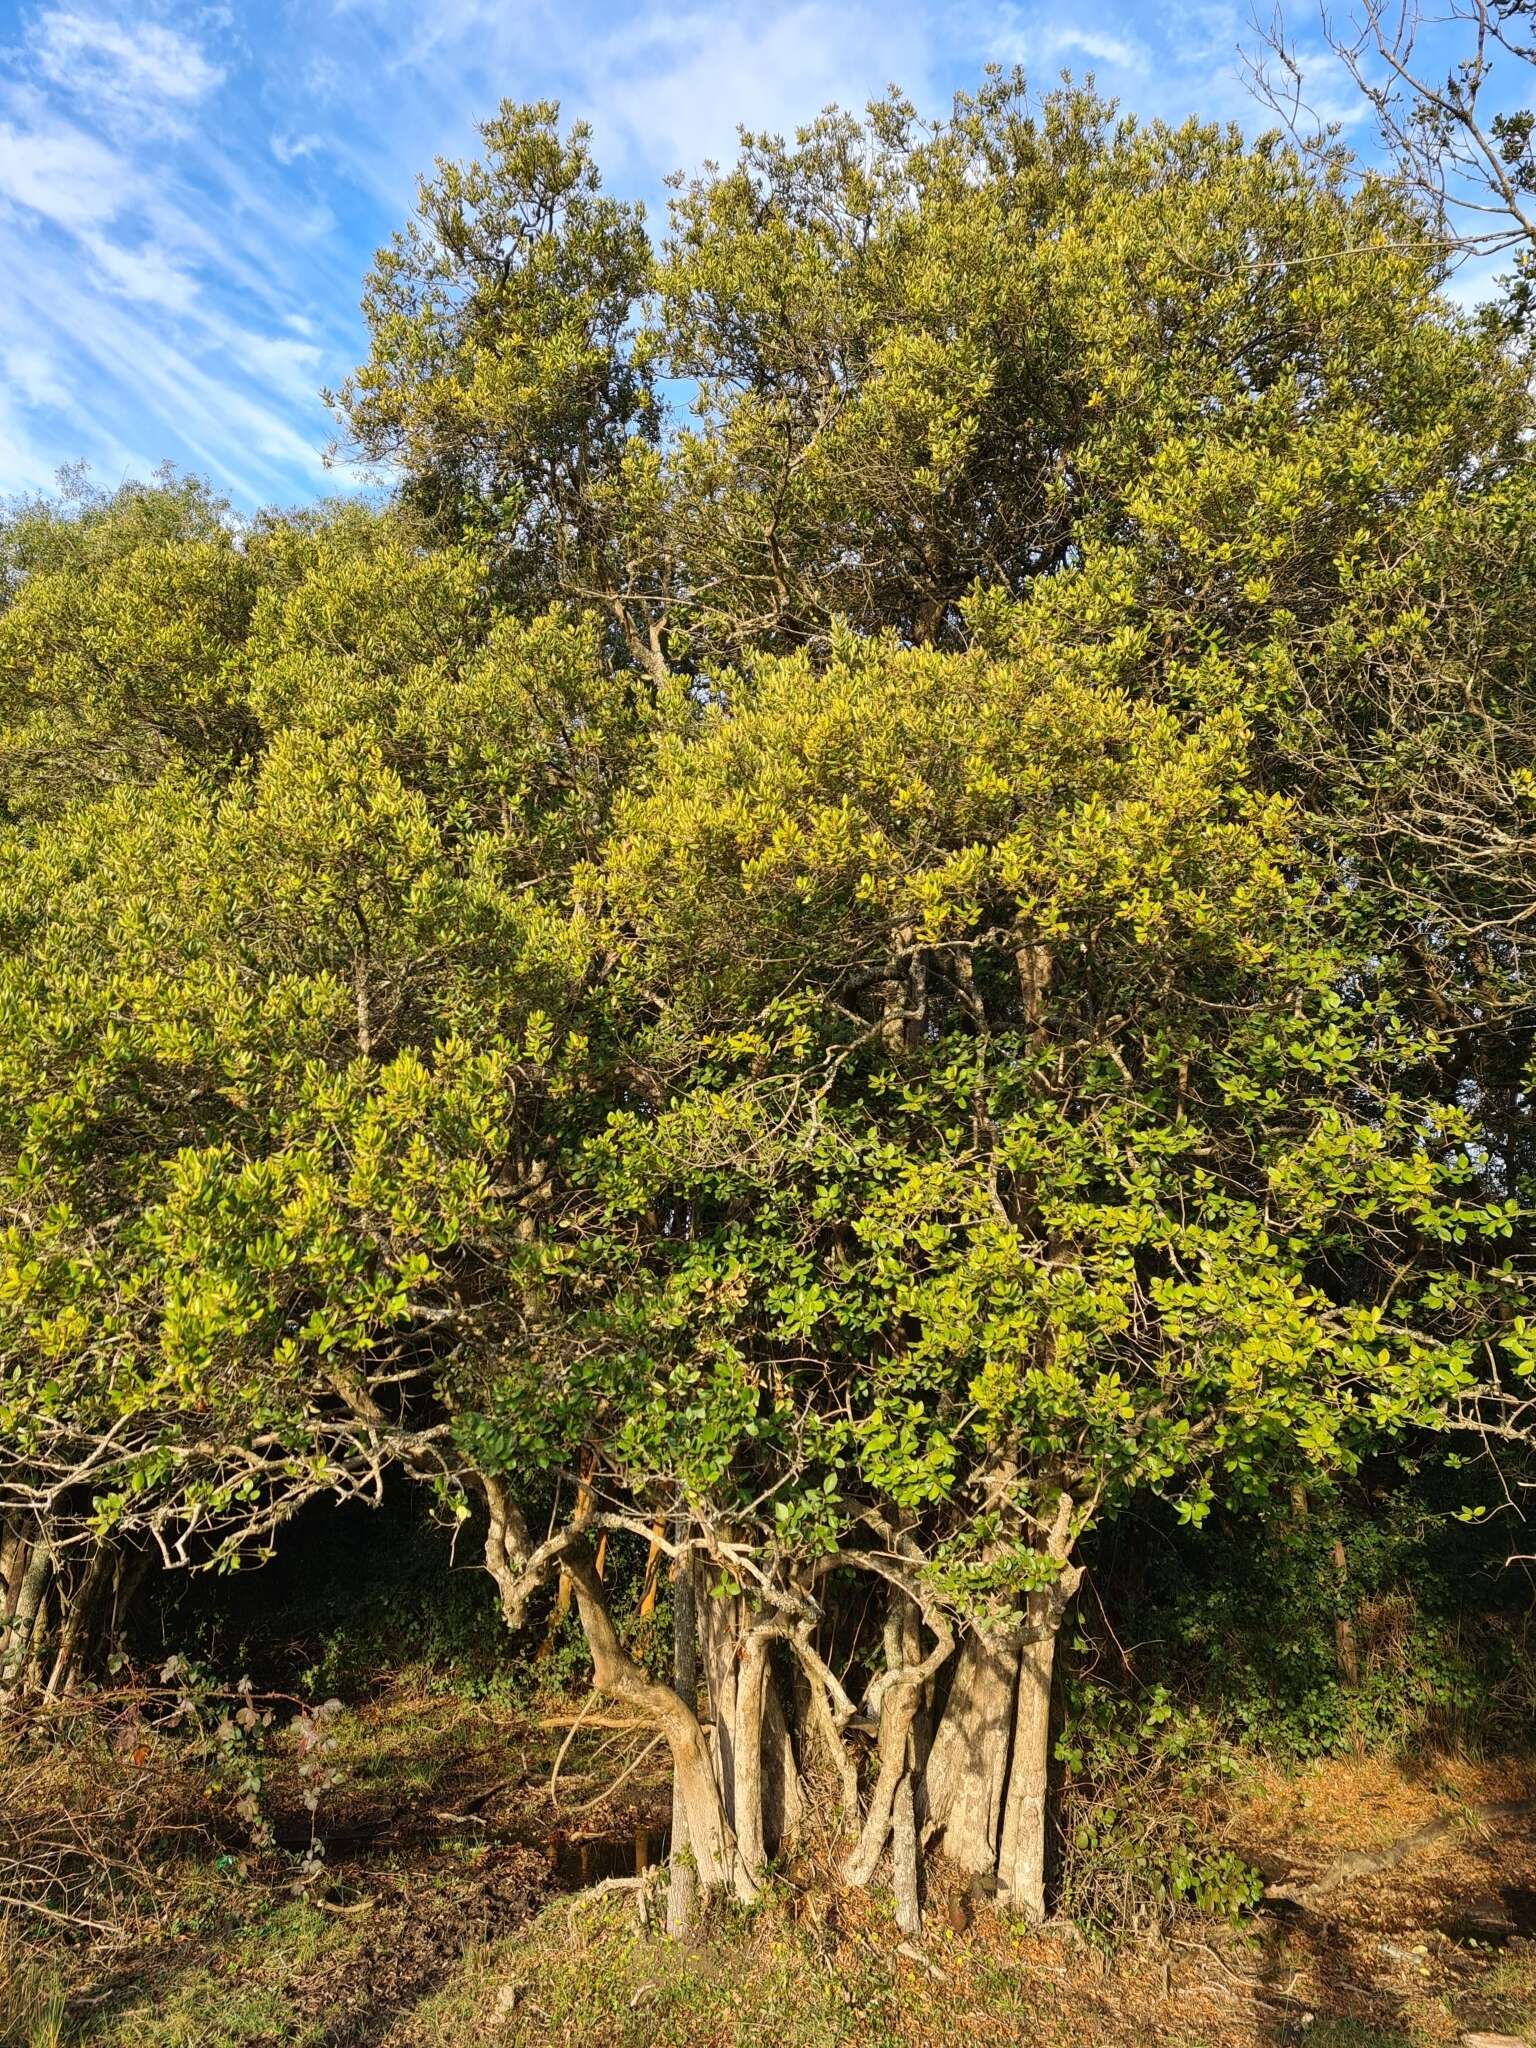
828,978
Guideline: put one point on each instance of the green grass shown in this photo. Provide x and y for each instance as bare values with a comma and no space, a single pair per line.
225,1983
32,2007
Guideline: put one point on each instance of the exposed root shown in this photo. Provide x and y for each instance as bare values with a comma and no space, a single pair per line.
1372,1862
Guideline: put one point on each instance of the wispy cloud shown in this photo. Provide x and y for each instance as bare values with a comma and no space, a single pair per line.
147,272
711,71
191,190
1098,46
63,174
33,376
133,70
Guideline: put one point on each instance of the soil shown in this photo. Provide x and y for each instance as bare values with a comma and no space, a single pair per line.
413,1940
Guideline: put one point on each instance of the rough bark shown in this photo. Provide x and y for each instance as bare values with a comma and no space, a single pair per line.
908,1673
968,1764
506,1546
725,1629
79,1620
904,1862
783,1792
1345,1647
823,1727
747,1804
711,1838
12,1548
719,1624
21,1642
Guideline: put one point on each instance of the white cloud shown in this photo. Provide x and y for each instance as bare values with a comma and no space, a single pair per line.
33,375
281,363
289,148
706,73
123,63
63,174
1099,46
147,273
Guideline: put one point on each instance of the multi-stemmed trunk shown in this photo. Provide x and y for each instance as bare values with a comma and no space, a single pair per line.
711,1838
962,1763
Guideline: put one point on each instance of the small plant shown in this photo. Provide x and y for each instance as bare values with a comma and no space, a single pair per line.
1135,1842
234,1736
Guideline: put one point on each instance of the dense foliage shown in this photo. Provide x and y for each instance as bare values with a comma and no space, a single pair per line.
850,979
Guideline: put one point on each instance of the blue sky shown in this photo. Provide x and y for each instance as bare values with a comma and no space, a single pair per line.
190,193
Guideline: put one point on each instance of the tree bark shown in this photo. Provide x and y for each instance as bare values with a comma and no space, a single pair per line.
783,1793
682,1881
908,1673
747,1804
719,1625
20,1643
725,1629
79,1616
967,1770
904,1864
710,1835
1345,1647
12,1547
1021,1861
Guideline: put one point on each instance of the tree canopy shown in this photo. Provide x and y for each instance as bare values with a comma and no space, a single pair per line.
881,912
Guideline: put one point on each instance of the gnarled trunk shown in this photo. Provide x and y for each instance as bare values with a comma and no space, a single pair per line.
988,1771
750,1734
711,1839
901,1693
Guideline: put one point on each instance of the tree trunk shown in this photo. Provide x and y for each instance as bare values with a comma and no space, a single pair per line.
899,1708
1345,1647
710,1835
904,1868
130,1571
682,1882
725,1630
719,1624
968,1765
1021,1862
747,1805
79,1617
12,1552
20,1643
783,1793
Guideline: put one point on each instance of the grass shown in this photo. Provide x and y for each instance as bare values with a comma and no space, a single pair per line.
225,1980
444,1946
32,2000
559,1983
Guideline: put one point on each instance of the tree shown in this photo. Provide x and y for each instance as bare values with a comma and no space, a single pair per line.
1015,1133
281,1044
921,357
121,615
504,379
839,985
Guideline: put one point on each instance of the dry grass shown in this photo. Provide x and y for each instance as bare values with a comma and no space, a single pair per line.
83,1823
456,1935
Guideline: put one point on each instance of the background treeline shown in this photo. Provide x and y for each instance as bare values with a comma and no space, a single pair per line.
868,947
